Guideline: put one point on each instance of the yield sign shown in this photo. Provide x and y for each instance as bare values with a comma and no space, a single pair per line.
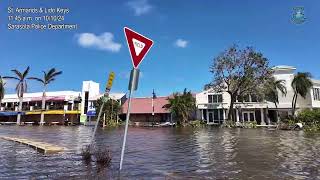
138,44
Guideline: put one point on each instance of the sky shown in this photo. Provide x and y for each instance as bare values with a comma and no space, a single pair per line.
187,36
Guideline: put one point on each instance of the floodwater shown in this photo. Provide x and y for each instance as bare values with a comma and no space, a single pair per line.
165,153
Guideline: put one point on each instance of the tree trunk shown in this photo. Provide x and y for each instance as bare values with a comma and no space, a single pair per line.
104,120
294,103
19,110
277,113
20,96
230,113
43,106
111,111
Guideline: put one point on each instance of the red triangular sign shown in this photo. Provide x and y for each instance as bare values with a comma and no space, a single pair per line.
138,44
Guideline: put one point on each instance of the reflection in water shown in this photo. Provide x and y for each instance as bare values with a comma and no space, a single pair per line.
174,153
299,155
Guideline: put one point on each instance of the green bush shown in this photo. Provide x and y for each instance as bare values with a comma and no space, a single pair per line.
197,123
252,124
229,124
310,119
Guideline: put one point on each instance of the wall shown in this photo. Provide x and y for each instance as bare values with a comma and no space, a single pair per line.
92,88
315,103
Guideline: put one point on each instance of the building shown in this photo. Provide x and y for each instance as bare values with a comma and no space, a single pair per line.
61,106
147,110
213,107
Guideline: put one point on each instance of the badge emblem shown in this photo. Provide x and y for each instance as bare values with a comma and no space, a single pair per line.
298,16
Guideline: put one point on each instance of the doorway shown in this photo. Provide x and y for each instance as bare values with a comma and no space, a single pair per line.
248,116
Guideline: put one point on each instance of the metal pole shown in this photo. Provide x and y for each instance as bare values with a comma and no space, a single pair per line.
111,110
133,86
97,123
126,128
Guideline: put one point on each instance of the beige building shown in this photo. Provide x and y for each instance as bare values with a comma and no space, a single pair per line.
213,107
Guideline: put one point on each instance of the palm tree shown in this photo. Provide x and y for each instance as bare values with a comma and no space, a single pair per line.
272,88
2,90
21,87
47,78
181,106
301,85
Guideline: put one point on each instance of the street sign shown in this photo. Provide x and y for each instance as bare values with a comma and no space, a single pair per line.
104,100
138,44
138,47
110,81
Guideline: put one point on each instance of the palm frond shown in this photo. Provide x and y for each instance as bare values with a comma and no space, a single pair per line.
51,71
36,79
2,89
18,73
25,73
49,76
56,73
10,77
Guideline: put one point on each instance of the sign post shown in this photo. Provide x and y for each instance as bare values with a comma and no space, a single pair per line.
105,98
139,46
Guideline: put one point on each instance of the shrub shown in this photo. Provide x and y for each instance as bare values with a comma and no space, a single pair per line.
197,123
310,119
103,157
229,124
252,124
86,154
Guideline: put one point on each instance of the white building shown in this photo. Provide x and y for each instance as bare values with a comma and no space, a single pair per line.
62,103
213,107
57,100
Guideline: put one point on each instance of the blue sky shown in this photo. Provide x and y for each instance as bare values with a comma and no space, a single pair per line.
187,36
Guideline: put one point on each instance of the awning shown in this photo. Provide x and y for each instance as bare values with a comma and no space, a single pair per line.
49,98
10,113
53,112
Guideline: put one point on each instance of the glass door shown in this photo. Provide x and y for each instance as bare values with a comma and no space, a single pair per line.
210,114
248,116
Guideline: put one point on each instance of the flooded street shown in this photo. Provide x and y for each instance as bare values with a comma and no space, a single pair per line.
159,153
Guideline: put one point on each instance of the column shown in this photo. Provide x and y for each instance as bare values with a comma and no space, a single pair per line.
237,115
207,116
202,114
263,122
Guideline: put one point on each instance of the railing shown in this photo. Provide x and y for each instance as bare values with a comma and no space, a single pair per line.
37,108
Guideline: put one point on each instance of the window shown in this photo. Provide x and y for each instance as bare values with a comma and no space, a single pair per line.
246,98
216,98
249,98
316,94
254,98
86,101
209,98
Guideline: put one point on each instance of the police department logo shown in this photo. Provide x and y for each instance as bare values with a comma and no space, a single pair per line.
298,16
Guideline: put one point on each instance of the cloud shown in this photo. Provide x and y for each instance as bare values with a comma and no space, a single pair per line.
181,43
140,6
103,42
